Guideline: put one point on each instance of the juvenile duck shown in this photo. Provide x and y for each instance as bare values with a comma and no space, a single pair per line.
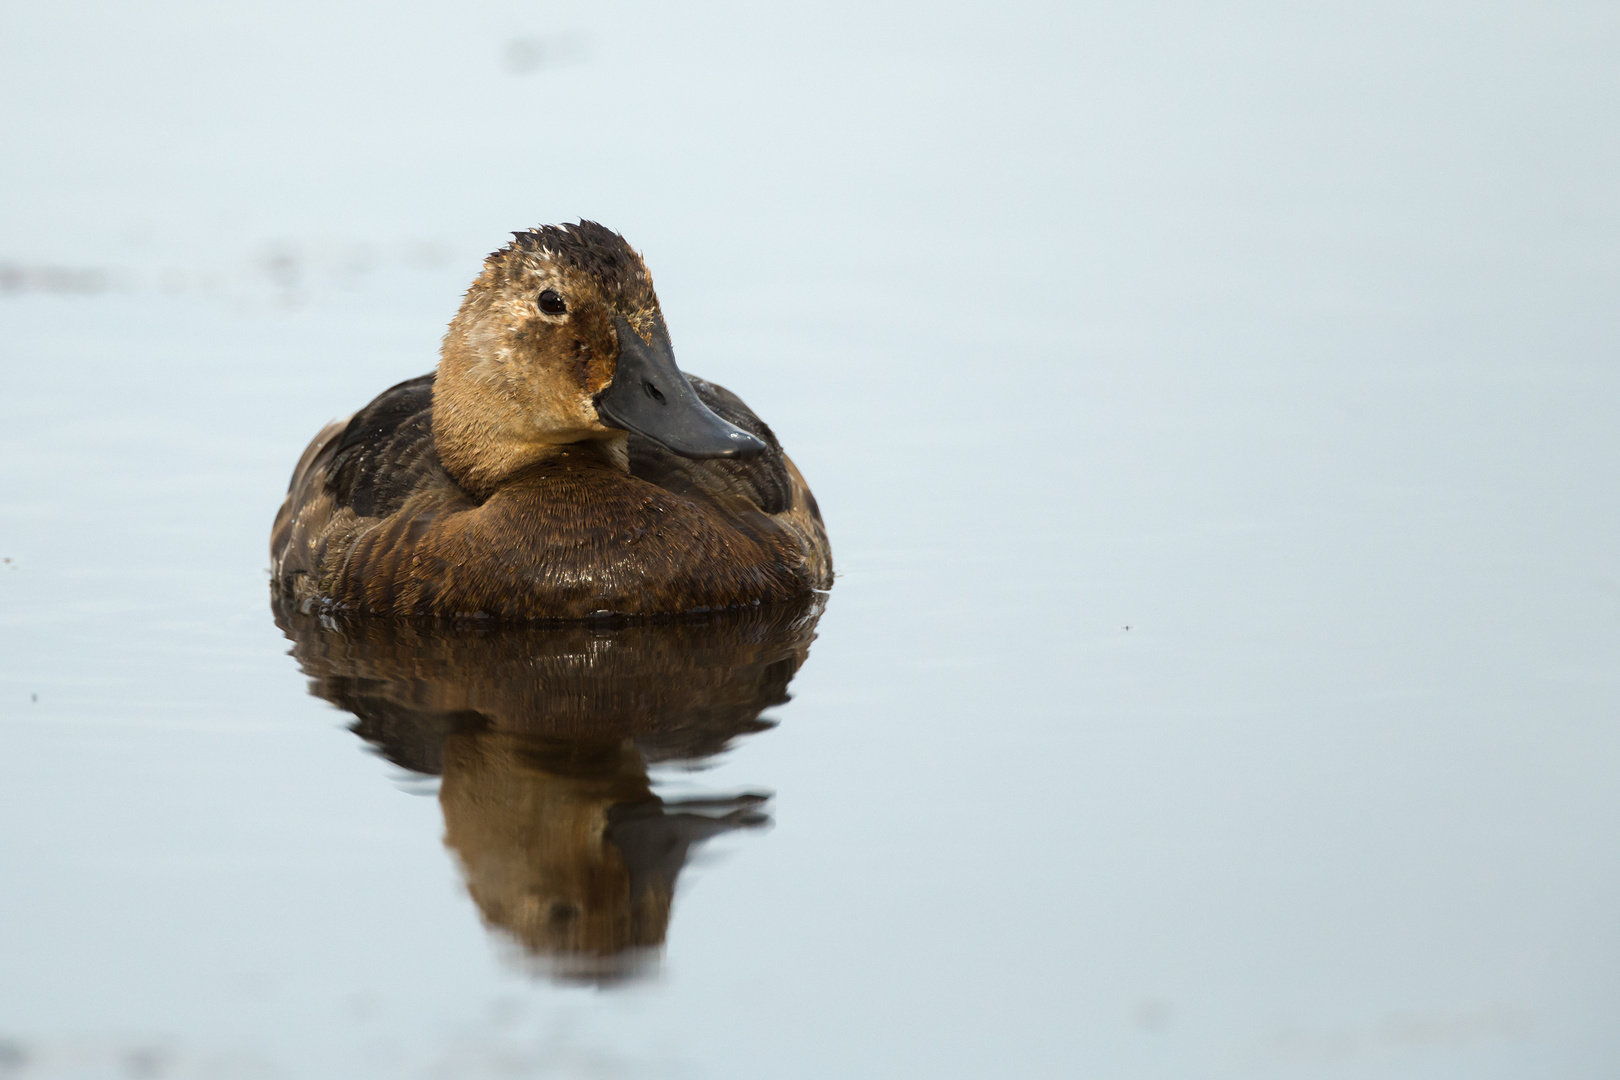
557,465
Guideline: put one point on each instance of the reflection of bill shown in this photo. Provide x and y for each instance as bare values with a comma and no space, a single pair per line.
542,736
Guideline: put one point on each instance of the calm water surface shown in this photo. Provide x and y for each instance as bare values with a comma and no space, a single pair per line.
1213,414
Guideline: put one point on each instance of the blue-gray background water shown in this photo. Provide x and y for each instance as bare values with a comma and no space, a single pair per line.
1213,411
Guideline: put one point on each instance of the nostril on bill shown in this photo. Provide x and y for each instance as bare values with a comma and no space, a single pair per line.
652,391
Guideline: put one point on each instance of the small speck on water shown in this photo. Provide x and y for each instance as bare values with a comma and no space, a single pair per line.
34,698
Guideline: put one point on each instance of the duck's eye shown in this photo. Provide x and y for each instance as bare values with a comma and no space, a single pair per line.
552,304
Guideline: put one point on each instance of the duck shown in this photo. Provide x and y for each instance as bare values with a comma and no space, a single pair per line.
556,464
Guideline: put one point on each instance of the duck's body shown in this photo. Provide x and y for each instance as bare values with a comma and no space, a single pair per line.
496,488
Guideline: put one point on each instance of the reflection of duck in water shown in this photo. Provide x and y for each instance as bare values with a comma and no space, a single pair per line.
542,737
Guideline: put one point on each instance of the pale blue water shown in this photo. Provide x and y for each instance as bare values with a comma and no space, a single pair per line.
1284,338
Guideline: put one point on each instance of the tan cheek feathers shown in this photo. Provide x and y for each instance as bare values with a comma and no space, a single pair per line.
515,383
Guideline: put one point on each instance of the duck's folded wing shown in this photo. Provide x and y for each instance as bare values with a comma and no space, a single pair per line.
387,451
355,470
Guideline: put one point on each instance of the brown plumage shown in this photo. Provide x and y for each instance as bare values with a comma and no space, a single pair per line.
499,486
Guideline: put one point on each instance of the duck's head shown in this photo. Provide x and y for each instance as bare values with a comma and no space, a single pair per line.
560,340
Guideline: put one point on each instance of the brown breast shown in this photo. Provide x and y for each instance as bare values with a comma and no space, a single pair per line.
567,538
